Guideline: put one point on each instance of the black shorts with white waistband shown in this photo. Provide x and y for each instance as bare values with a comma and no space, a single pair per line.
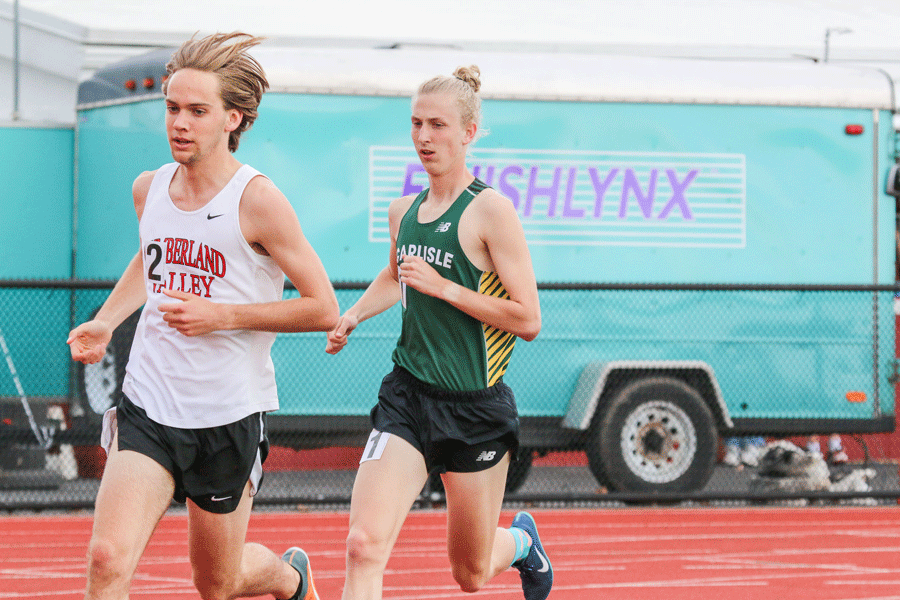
461,432
211,466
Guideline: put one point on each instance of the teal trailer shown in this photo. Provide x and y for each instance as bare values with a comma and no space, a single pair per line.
697,229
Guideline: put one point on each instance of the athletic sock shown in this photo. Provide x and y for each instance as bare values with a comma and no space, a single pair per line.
523,543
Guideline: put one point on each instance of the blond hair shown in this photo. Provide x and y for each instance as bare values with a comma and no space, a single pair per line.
242,79
463,86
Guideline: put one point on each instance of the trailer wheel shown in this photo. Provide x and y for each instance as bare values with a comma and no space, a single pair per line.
100,384
657,435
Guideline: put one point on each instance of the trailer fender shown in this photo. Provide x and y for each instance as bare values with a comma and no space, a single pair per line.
596,376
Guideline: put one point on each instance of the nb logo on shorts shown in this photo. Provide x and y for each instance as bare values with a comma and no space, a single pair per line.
486,456
443,227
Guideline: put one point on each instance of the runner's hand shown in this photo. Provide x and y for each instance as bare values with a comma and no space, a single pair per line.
193,315
422,277
88,341
337,337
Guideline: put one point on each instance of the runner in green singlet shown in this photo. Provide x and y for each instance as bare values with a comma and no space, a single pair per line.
461,269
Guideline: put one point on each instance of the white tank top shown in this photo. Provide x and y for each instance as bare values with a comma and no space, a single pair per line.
218,378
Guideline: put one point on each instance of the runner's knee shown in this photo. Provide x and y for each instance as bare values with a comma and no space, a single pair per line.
470,576
212,586
106,561
365,548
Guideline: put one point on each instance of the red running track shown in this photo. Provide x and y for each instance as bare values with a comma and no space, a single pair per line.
850,553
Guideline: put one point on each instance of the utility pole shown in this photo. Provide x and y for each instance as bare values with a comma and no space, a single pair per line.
828,32
15,110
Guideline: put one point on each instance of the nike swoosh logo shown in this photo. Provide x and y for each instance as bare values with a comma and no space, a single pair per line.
211,217
214,499
545,566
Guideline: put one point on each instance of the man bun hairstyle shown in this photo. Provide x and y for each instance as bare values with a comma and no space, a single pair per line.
470,75
242,79
463,85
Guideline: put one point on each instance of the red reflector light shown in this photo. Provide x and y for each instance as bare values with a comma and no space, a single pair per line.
131,84
853,129
856,396
148,83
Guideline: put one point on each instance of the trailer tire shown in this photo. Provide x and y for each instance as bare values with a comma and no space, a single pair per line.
100,384
657,435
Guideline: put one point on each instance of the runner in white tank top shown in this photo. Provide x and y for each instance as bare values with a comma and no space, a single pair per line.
216,241
201,252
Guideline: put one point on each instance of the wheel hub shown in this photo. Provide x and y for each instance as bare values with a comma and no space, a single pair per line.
653,442
658,442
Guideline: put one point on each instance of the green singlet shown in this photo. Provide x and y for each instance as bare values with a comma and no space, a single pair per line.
439,344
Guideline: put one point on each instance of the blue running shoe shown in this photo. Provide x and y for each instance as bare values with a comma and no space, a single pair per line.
534,569
298,559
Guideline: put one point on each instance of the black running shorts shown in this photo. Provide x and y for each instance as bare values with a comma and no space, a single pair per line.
460,432
211,466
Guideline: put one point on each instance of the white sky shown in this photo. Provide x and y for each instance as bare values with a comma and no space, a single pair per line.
759,23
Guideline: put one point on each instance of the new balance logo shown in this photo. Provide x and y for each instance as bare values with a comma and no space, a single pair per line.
486,456
443,227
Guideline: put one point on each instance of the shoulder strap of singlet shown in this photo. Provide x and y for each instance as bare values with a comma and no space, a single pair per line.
161,180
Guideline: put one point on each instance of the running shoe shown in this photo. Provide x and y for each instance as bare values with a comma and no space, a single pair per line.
534,569
298,559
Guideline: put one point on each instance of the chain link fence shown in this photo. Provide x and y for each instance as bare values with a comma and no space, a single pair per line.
627,396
